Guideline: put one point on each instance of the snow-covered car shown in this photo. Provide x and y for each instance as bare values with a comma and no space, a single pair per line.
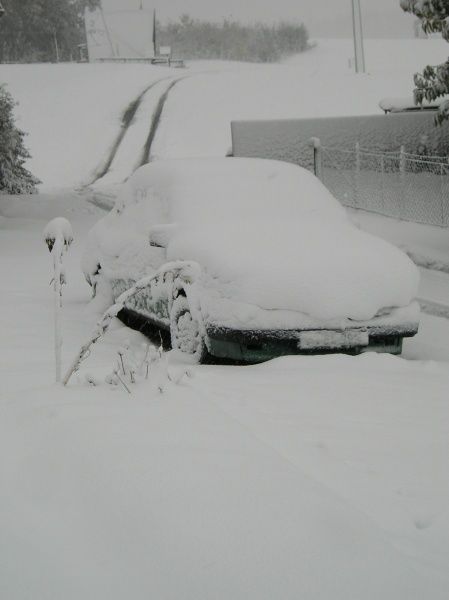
250,259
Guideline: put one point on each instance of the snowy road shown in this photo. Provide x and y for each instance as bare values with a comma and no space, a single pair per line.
126,122
123,157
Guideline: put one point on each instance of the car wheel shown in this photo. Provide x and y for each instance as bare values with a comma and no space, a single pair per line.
186,332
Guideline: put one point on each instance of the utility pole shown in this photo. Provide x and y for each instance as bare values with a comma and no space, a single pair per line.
358,37
55,40
154,32
106,29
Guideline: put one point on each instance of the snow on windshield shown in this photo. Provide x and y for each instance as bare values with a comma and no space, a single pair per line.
200,190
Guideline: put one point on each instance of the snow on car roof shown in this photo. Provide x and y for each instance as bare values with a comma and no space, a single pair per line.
217,189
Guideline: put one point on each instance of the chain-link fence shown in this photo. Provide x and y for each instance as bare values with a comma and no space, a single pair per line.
396,184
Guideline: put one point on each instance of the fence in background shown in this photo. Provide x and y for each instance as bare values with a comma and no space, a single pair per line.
395,184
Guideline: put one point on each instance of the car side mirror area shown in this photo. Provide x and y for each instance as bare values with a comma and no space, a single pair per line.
160,235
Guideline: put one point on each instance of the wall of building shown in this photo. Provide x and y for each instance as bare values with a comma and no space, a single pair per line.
119,34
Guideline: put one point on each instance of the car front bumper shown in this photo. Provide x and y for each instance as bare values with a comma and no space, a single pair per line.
260,345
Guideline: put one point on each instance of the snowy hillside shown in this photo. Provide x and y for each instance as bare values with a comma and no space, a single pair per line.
73,112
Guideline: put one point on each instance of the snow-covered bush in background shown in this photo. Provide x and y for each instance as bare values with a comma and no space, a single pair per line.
14,178
231,40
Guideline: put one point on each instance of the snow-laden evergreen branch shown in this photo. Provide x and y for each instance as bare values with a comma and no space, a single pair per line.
433,82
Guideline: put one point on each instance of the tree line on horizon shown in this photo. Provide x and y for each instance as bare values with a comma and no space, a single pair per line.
230,40
53,30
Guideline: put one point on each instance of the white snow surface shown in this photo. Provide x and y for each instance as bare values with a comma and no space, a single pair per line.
267,233
306,477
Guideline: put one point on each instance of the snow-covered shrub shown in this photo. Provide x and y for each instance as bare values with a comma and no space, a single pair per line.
14,178
433,82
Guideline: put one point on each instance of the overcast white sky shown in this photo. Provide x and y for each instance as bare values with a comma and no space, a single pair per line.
381,18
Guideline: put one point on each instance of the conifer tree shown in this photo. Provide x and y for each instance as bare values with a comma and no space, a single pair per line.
433,82
14,178
42,30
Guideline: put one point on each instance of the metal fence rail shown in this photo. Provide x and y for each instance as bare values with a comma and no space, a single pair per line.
395,184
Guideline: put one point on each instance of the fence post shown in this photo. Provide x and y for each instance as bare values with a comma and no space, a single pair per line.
402,165
443,216
357,175
382,180
317,157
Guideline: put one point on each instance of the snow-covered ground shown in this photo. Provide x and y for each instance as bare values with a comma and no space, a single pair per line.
319,477
305,477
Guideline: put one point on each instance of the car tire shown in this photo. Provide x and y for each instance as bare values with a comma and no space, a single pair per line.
186,332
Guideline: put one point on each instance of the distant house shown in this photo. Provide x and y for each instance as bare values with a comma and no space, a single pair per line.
119,35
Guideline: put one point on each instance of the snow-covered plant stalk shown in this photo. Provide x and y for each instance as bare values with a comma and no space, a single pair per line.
187,269
146,361
58,237
117,374
57,296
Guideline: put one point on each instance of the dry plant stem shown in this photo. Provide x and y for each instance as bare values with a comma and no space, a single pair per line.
122,382
121,362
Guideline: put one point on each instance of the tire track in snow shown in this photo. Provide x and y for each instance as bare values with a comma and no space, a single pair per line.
433,294
127,119
155,121
430,264
434,309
